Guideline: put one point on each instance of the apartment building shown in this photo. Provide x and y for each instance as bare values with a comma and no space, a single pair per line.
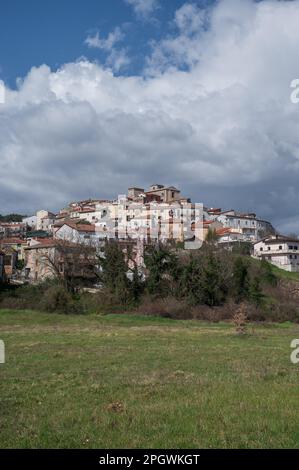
279,250
12,229
10,258
30,222
248,225
56,258
86,234
17,244
44,220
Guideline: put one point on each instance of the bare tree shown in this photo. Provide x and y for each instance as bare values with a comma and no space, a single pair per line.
72,263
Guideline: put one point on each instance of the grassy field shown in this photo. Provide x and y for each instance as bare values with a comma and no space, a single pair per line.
281,273
131,382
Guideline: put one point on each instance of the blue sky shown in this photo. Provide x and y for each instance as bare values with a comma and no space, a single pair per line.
34,32
114,93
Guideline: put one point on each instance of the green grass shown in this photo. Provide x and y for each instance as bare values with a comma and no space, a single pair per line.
281,273
131,382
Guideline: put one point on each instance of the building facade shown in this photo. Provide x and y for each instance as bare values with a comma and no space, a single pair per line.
281,251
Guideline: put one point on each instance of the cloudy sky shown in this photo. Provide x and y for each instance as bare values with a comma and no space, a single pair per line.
105,94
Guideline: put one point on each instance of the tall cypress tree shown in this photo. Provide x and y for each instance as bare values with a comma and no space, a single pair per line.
241,280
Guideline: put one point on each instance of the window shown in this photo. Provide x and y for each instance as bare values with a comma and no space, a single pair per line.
261,249
280,247
290,247
269,248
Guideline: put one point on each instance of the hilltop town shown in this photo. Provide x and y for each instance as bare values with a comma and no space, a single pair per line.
136,219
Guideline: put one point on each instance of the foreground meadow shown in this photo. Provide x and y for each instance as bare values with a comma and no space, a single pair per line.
121,381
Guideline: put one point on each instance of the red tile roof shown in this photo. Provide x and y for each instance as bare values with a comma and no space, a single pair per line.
13,241
223,231
80,227
226,230
43,243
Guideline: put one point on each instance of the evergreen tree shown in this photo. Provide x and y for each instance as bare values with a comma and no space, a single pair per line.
212,286
136,285
240,279
114,267
114,271
255,292
189,282
161,265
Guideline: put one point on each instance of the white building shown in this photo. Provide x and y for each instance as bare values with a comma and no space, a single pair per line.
251,227
228,237
44,220
30,221
281,251
80,233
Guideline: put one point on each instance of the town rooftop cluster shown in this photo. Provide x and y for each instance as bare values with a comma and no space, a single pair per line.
137,218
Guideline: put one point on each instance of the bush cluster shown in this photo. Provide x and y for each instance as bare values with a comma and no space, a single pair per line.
207,284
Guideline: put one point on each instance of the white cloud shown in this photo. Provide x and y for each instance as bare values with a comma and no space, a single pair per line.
108,43
117,59
224,130
143,8
189,18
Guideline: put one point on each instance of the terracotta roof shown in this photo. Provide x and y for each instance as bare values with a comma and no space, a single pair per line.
278,239
80,227
67,221
13,241
12,224
85,228
43,243
171,188
224,230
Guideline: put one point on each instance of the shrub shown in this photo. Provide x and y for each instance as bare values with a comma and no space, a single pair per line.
240,319
168,307
57,299
266,273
